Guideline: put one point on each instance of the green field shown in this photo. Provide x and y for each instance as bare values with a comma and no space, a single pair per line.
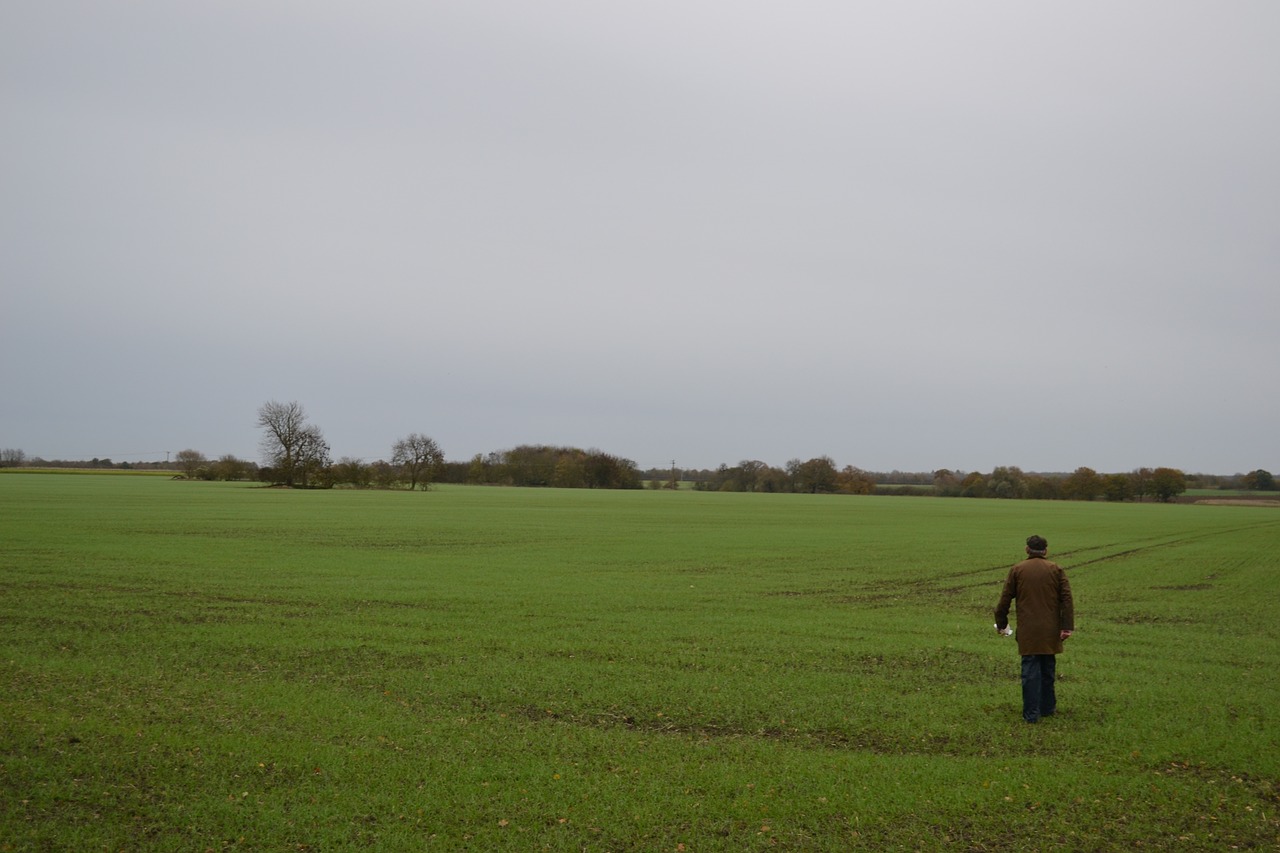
192,666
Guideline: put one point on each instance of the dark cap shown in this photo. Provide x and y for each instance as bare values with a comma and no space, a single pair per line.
1037,545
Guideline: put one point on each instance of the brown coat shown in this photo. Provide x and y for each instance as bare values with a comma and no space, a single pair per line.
1044,606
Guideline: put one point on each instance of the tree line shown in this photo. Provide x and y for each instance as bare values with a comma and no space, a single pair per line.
821,476
296,454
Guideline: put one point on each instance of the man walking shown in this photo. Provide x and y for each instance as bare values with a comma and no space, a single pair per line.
1046,617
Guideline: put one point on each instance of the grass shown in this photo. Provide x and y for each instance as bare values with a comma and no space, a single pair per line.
217,666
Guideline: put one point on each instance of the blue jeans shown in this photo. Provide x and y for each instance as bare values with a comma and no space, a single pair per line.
1038,697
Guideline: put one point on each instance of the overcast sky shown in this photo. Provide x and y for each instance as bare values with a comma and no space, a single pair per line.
905,235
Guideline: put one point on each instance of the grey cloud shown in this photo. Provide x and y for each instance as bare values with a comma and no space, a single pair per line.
868,230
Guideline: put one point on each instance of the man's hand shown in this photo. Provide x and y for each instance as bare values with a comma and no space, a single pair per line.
1064,634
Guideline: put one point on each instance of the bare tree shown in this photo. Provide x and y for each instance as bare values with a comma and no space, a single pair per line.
418,456
190,461
313,454
291,446
11,457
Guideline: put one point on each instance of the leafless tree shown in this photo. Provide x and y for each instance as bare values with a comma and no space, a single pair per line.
313,454
294,448
190,461
418,456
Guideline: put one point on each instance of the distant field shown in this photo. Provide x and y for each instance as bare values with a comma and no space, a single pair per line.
129,472
192,666
1229,493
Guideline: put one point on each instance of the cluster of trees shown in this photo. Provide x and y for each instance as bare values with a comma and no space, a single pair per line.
194,466
1259,481
814,476
545,465
295,453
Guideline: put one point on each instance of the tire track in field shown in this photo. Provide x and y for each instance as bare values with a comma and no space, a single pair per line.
1191,537
885,593
1127,552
